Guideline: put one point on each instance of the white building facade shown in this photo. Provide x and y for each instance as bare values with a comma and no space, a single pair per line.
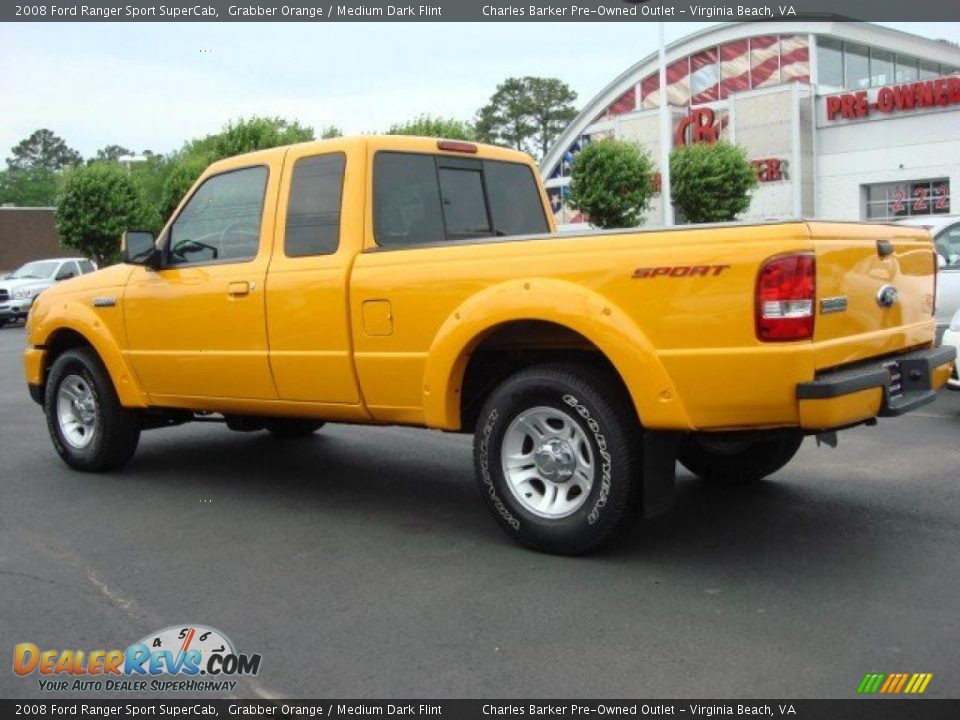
846,121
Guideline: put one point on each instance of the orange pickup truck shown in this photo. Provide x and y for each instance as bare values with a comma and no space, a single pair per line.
421,282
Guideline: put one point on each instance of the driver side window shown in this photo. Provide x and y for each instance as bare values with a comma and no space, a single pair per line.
221,221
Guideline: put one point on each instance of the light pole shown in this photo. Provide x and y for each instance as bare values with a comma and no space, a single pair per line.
666,134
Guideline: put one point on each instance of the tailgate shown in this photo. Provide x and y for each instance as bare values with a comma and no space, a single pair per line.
875,291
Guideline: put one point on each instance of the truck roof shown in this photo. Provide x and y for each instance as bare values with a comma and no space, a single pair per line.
399,143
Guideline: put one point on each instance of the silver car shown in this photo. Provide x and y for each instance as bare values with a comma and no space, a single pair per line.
945,230
18,289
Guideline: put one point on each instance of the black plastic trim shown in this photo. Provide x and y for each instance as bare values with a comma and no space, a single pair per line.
36,393
916,370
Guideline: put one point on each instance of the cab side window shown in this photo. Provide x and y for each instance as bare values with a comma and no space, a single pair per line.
313,212
221,221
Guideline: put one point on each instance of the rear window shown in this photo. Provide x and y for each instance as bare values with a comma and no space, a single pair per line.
514,199
420,199
86,266
464,205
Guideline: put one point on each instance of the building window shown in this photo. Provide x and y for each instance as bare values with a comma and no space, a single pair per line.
886,201
929,70
906,69
881,67
830,62
734,67
856,66
764,61
704,77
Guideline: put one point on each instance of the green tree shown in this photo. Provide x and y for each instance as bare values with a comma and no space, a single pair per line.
183,173
505,120
95,206
43,149
236,138
109,153
611,181
256,133
32,187
150,177
551,109
711,182
330,131
439,127
526,113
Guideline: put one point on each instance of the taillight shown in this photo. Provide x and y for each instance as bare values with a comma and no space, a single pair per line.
785,298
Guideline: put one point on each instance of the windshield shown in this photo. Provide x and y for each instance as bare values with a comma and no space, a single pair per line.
38,270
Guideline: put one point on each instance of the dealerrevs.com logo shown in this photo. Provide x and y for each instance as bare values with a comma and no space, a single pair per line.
182,658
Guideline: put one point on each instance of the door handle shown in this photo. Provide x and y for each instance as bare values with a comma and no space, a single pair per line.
238,289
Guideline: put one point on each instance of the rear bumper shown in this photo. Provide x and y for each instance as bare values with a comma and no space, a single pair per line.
886,388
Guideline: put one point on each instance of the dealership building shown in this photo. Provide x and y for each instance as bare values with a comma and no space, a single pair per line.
840,120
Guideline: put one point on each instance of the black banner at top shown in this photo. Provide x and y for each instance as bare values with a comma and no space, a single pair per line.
476,11
200,709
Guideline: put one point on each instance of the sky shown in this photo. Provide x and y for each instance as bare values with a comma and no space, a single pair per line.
155,85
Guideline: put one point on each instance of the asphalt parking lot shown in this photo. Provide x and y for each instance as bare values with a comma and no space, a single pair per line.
360,563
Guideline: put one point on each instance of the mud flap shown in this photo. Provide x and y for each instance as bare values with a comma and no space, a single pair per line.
660,450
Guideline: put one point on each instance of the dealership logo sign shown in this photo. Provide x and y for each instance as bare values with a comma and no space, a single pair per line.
172,659
889,99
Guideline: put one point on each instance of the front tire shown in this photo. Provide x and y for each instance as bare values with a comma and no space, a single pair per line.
90,429
737,463
557,457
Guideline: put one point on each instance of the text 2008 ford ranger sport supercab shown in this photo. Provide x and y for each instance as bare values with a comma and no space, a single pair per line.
422,282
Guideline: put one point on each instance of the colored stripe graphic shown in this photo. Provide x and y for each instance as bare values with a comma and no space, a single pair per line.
870,683
894,683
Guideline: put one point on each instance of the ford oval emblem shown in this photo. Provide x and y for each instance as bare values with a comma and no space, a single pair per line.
887,296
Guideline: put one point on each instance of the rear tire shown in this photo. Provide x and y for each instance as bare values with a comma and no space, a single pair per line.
557,457
292,427
90,429
737,463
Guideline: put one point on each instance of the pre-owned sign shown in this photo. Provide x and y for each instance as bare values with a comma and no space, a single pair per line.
894,98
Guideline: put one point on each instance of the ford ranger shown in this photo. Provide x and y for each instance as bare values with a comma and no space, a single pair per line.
415,281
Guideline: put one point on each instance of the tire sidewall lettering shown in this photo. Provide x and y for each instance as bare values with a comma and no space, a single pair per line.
607,466
485,476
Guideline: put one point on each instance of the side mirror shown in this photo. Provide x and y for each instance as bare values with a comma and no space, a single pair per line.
138,247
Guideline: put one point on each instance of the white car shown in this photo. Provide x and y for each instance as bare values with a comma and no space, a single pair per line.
945,230
951,336
18,289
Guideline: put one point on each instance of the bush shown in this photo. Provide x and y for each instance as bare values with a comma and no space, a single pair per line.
95,206
439,127
183,174
711,182
611,182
